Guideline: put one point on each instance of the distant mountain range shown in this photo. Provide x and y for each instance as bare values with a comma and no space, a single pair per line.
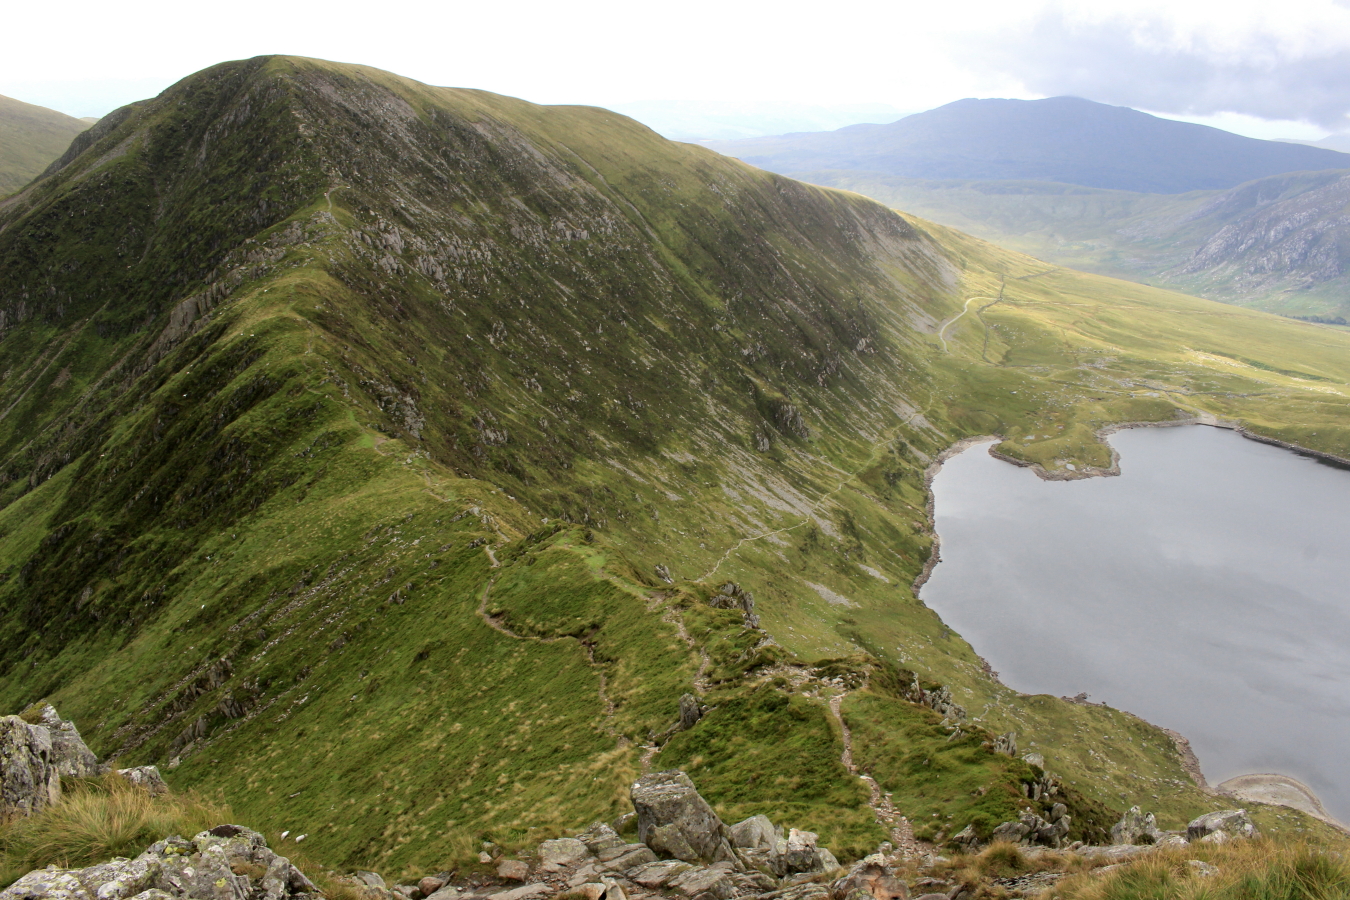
1280,243
1061,139
31,137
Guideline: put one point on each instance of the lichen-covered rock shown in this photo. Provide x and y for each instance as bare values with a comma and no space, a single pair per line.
557,854
70,755
675,821
1231,823
226,863
29,779
1136,827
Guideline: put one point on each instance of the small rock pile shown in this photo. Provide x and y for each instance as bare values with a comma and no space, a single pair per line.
226,863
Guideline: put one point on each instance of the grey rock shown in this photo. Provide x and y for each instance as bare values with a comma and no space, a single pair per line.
674,821
561,852
690,711
1202,868
871,878
70,755
712,880
371,879
656,875
29,779
526,892
624,822
1006,744
1135,827
147,777
513,870
600,837
664,574
430,885
632,857
966,839
756,832
1232,823
203,868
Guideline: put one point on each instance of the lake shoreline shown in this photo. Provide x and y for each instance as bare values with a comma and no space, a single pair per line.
1265,788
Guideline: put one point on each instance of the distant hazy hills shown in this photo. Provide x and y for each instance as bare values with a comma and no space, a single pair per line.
31,138
1061,139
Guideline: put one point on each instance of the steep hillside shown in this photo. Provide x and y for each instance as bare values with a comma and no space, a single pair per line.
31,137
378,455
1061,139
1274,244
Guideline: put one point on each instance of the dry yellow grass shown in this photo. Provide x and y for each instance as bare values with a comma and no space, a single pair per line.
100,819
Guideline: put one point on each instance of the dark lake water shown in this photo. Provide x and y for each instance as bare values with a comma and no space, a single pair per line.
1206,589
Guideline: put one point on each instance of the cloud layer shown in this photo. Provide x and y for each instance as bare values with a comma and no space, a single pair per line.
1155,62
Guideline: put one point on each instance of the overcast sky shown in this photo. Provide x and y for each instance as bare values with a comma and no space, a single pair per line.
1262,68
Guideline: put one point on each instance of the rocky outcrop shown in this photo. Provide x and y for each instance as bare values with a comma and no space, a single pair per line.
1136,827
690,711
226,863
72,758
730,596
29,777
1031,829
1217,827
871,878
676,822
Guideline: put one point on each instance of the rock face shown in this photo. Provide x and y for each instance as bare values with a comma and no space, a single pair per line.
72,758
226,863
674,821
1031,829
1136,827
29,778
690,711
1217,827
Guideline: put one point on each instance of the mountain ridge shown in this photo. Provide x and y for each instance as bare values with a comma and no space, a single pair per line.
30,138
1059,139
363,442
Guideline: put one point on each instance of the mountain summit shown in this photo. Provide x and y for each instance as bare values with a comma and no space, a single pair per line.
1062,139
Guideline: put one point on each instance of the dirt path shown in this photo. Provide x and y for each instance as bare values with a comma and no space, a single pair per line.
896,825
942,332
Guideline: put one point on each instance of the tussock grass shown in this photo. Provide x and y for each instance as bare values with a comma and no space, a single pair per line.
99,819
1256,870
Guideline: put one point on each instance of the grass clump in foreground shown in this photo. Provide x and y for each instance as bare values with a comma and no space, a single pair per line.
1246,870
98,819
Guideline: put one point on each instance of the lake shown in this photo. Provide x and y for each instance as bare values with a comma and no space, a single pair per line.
1206,589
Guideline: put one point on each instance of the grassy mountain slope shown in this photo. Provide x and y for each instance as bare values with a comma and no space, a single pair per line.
31,137
345,423
1276,244
1059,139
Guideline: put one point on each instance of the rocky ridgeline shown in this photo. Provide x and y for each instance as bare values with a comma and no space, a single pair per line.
683,850
35,755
